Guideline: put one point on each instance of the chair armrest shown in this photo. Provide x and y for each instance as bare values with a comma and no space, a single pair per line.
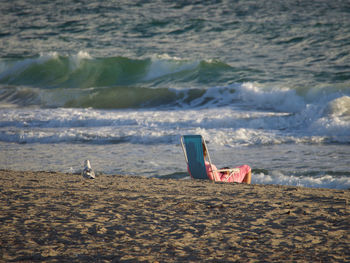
233,170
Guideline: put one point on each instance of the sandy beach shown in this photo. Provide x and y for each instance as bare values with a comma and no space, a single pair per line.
56,217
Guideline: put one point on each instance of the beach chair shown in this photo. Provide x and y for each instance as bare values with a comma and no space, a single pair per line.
192,146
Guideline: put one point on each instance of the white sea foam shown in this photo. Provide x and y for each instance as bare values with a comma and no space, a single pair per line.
234,136
76,60
324,181
164,65
231,125
45,56
280,99
339,107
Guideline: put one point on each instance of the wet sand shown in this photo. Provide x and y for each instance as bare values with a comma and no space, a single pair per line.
56,217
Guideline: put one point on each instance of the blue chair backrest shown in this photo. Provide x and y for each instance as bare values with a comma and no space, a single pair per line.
195,157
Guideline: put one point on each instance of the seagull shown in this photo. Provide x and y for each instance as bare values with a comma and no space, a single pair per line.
88,172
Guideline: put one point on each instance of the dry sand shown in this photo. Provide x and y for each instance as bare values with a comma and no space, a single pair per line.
63,217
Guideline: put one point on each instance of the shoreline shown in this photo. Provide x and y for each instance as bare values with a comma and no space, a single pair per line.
52,216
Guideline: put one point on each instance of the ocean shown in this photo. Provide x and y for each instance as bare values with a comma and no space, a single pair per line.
266,83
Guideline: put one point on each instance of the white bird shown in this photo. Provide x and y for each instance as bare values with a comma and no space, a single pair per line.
88,172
